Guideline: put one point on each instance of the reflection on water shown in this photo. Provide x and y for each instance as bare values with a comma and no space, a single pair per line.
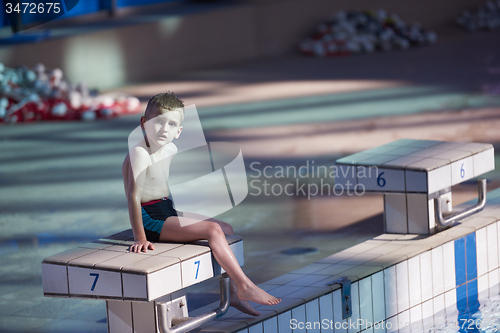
481,316
8,247
42,240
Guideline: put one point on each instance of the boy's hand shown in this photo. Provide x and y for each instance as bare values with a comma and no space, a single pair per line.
141,245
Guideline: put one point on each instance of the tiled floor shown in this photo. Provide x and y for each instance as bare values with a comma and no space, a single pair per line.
399,289
61,182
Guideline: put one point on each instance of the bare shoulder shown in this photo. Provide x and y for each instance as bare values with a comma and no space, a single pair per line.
137,153
171,149
134,154
137,160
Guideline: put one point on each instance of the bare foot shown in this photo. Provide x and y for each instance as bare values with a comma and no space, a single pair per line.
237,303
255,294
244,306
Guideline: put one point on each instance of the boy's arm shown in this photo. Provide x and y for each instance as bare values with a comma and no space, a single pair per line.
134,173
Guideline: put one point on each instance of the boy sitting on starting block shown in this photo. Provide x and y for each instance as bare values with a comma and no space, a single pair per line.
152,215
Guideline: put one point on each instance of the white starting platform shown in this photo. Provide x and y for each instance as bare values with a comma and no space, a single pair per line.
143,291
416,177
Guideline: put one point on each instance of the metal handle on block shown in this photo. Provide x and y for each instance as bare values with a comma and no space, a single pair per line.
448,221
185,324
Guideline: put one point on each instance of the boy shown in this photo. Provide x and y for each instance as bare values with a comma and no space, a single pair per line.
153,217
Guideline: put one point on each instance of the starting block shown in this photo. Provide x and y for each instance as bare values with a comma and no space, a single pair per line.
416,177
143,291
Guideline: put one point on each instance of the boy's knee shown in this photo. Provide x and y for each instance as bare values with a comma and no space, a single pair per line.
215,230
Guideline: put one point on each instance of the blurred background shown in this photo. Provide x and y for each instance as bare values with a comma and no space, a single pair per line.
246,66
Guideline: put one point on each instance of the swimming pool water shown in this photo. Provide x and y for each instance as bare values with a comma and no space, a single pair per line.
483,316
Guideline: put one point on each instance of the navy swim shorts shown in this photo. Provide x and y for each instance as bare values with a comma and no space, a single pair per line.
154,214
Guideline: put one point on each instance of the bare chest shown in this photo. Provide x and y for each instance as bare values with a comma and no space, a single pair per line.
157,173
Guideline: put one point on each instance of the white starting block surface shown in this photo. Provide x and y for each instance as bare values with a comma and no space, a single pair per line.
415,166
105,269
411,174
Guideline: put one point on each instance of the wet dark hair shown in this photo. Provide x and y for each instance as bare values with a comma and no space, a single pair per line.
167,101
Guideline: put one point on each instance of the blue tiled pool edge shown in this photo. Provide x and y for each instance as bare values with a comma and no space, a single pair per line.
396,279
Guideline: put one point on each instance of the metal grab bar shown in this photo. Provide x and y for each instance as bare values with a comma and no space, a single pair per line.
481,202
184,324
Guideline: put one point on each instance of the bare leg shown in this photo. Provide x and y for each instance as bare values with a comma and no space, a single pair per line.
246,289
236,302
226,227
